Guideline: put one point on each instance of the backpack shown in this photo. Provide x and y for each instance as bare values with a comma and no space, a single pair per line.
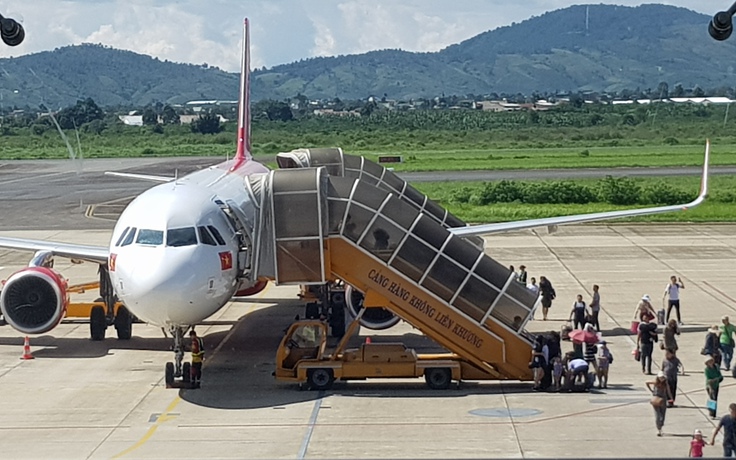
610,357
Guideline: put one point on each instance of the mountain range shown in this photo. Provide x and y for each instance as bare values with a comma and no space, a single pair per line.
580,48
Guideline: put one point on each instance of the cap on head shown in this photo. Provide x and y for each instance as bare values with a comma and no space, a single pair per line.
660,375
709,359
646,297
698,432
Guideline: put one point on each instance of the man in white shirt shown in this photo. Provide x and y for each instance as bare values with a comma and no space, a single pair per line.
533,287
673,291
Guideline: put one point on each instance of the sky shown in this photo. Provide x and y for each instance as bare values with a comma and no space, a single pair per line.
282,31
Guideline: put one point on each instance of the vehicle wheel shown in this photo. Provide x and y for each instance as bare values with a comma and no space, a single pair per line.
123,324
97,323
186,372
438,378
169,375
320,379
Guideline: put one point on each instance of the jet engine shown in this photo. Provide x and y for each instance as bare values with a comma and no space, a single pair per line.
34,300
374,318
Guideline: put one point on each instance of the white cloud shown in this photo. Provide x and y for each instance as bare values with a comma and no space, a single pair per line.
209,31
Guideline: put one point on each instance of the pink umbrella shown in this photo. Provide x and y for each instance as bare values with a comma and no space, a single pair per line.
582,336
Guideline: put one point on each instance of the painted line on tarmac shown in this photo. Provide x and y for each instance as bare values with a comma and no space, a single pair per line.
167,414
310,427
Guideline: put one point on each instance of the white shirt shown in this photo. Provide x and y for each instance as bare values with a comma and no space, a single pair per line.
673,290
534,288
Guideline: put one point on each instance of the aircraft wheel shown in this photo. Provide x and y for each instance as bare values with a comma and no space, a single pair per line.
169,375
438,378
124,324
320,379
97,323
186,372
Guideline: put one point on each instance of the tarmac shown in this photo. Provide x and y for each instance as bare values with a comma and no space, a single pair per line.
84,399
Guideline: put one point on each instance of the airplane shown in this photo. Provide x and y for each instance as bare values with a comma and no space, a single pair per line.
184,248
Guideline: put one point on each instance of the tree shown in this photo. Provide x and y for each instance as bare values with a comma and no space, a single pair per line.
679,91
208,123
273,110
698,91
169,116
82,112
663,90
149,116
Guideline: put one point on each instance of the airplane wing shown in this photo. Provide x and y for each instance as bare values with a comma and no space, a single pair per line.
96,254
141,176
487,229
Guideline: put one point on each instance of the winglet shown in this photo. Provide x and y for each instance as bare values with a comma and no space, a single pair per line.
242,153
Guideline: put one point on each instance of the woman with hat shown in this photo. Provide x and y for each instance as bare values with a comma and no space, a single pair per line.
660,395
644,310
713,379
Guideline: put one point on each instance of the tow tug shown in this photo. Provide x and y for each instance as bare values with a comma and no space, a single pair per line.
301,358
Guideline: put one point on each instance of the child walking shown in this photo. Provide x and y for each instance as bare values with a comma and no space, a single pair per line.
696,445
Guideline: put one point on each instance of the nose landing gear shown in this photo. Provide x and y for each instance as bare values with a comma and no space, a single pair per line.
177,369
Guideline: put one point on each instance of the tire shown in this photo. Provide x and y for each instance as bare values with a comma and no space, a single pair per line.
123,324
97,323
438,378
186,372
320,379
169,375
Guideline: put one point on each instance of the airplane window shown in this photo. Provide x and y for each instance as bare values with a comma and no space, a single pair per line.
122,235
152,237
177,237
217,235
131,236
206,237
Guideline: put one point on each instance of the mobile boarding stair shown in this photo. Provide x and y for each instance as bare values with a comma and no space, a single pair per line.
313,227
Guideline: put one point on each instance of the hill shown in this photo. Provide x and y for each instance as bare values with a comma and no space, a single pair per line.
593,47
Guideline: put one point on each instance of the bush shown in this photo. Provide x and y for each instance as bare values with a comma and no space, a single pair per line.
504,191
662,192
622,190
585,153
558,192
671,141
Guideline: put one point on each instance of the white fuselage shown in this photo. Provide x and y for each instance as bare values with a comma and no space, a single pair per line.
174,251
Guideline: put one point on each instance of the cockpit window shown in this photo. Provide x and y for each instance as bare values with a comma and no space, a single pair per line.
205,237
130,237
122,235
152,237
217,235
181,237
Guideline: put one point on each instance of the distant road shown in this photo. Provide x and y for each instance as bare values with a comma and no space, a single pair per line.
589,173
54,194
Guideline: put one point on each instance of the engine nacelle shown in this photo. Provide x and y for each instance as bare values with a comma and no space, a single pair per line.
374,318
34,300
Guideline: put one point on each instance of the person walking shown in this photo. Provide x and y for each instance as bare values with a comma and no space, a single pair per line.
548,295
522,275
696,445
197,358
533,287
660,395
713,379
671,366
713,344
595,308
673,291
726,330
579,312
645,342
644,310
670,342
728,423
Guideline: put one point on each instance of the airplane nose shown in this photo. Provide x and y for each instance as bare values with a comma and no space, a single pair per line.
166,285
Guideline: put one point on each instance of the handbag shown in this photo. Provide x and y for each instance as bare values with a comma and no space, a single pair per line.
657,401
711,405
637,354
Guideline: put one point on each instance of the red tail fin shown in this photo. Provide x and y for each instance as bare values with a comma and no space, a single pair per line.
243,152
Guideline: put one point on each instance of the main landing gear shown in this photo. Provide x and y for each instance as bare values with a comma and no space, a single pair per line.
178,369
101,317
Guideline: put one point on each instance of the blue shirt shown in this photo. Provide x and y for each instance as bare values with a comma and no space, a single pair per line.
728,424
